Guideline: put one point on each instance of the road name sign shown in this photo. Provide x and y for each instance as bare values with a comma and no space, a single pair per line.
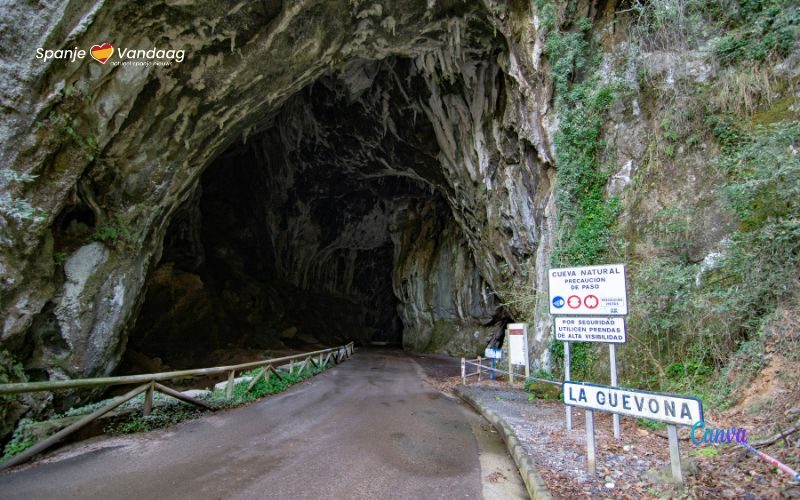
588,291
668,408
609,330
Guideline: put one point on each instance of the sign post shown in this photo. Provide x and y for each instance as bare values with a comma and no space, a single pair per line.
567,379
493,353
590,450
675,453
612,361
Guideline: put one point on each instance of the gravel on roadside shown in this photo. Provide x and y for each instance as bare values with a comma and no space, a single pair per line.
623,467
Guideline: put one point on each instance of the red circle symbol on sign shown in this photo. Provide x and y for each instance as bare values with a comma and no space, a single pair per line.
574,301
591,301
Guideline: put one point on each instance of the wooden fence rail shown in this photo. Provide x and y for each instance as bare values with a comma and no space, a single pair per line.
55,385
149,384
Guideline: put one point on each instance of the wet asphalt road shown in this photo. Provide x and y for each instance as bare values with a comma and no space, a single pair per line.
369,428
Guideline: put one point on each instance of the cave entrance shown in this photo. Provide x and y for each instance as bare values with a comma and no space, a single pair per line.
325,224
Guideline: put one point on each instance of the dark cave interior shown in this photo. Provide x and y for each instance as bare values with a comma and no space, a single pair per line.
291,238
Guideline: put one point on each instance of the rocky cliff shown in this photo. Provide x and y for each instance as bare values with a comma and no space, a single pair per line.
396,171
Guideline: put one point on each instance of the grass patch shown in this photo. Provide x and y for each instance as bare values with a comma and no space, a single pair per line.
20,441
651,425
704,452
542,390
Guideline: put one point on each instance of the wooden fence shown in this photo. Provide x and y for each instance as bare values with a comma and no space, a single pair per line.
150,383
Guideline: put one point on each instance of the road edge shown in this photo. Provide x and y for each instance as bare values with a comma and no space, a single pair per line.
527,469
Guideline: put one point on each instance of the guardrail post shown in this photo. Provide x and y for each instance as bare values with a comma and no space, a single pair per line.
321,363
463,371
148,399
480,368
229,387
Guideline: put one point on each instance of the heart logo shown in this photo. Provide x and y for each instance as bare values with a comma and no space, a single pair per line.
102,53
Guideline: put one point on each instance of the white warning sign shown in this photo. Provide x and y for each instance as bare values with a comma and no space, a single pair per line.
588,291
518,344
610,330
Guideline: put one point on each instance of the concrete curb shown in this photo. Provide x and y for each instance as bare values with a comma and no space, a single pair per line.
527,469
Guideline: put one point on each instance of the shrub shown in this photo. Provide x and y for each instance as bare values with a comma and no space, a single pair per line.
16,208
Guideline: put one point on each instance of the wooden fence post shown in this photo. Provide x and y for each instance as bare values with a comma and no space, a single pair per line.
255,380
229,388
480,368
148,399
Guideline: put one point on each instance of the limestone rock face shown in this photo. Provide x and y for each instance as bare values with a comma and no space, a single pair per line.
337,169
414,108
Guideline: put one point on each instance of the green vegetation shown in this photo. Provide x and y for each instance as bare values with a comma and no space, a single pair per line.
757,30
65,122
701,313
542,390
704,452
16,208
585,214
20,441
275,385
699,325
752,31
652,425
582,357
113,232
161,416
11,369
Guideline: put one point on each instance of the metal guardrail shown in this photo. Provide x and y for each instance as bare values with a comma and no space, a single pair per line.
149,384
481,367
